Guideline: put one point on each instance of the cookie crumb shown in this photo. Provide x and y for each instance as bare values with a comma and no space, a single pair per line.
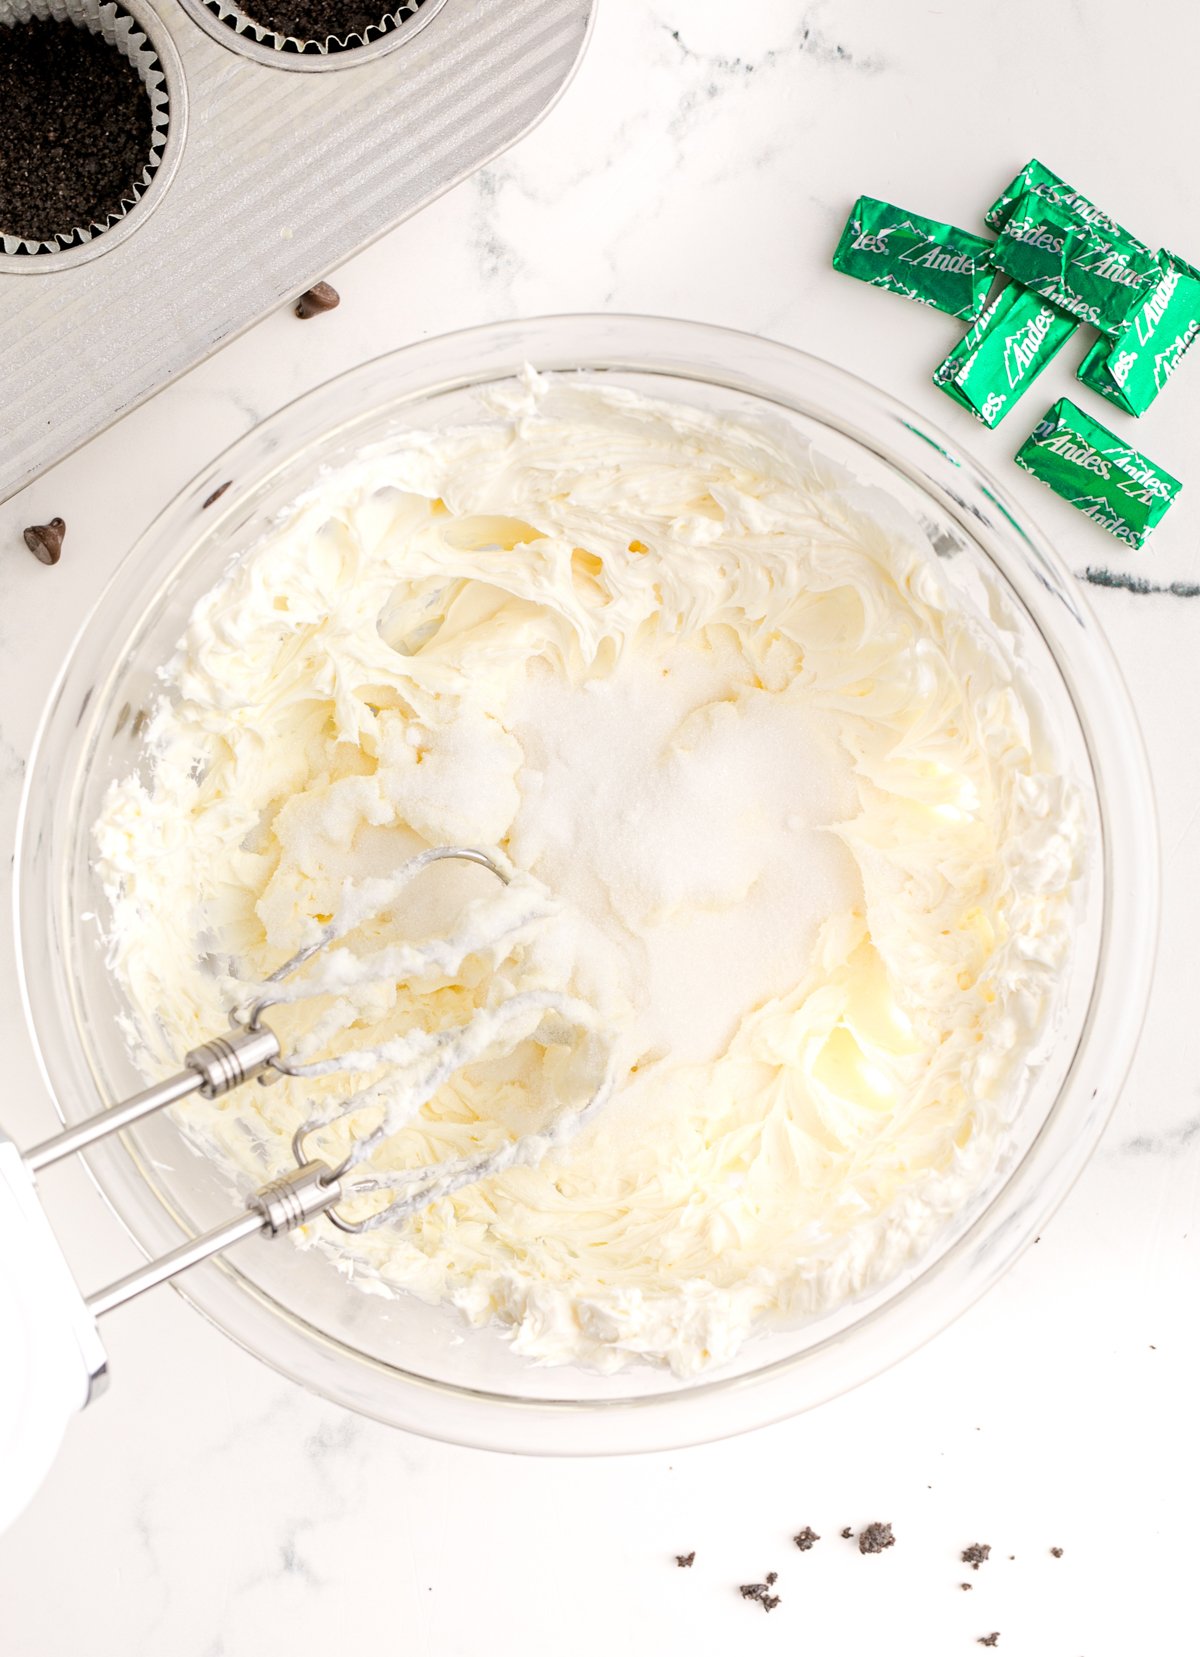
685,1560
966,1586
988,1639
761,1591
875,1538
848,1534
76,125
975,1555
772,1578
1057,1552
805,1538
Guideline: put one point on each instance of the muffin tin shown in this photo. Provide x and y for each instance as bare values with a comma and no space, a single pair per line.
281,159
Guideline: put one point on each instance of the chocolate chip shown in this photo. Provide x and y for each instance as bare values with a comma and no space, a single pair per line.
1057,1552
320,297
975,1555
45,540
805,1538
684,1560
875,1538
216,494
988,1639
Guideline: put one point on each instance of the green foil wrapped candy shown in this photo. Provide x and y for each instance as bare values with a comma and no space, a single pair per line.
1133,369
935,264
1094,276
1106,479
1002,355
1035,179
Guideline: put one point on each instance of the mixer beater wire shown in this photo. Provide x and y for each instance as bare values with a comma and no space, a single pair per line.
417,1063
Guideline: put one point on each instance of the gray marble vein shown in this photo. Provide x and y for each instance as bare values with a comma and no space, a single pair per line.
1125,581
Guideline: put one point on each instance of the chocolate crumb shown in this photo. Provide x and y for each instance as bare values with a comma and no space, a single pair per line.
975,1555
75,129
216,494
875,1538
1012,1556
760,1591
772,1578
45,540
685,1560
988,1639
805,1538
1057,1552
320,297
966,1587
313,19
848,1534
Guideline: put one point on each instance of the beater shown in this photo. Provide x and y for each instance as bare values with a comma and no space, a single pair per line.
51,1358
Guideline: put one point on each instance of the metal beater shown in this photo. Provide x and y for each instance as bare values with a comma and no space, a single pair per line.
423,1061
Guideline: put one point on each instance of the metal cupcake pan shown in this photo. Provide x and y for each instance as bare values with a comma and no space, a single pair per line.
285,176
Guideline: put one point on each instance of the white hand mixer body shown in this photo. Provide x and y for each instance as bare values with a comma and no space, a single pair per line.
53,1362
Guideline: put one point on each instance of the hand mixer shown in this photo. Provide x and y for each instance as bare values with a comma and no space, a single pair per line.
52,1361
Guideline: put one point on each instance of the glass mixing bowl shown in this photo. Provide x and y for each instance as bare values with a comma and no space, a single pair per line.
421,1367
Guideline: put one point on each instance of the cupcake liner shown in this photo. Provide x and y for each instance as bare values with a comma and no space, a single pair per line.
243,25
126,36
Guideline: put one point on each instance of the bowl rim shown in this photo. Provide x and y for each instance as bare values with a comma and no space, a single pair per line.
721,1406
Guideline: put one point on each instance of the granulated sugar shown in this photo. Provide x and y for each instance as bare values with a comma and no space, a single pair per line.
684,812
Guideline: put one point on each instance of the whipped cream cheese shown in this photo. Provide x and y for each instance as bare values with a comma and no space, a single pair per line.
788,831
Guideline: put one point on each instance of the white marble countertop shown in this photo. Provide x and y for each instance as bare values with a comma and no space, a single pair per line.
701,165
